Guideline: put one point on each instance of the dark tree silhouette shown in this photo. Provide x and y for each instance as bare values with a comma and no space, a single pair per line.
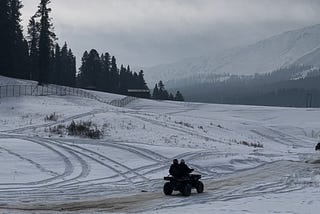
105,80
5,38
46,41
13,47
114,76
179,96
101,73
33,38
19,47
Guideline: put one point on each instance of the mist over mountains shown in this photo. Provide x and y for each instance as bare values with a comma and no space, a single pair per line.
292,47
233,76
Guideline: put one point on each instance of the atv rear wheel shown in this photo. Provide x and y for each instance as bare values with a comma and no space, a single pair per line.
200,187
167,188
187,190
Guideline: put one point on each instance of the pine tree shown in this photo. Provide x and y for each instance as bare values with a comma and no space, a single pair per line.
90,69
58,75
179,96
171,97
13,48
46,41
143,85
135,81
5,61
114,76
64,61
72,70
4,37
123,82
83,81
19,57
33,39
105,75
155,93
163,93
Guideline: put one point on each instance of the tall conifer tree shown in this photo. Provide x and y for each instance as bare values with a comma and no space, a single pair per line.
105,75
5,61
46,41
179,96
13,48
19,50
114,76
33,39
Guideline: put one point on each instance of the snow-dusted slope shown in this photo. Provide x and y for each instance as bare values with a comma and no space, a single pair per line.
312,58
12,81
253,159
262,57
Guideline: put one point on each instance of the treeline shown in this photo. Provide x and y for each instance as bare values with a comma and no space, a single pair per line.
37,56
13,46
100,72
160,93
292,86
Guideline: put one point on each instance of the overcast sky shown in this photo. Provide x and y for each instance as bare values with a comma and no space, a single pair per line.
150,32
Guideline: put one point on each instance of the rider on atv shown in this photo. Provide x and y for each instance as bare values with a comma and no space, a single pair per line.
184,169
175,169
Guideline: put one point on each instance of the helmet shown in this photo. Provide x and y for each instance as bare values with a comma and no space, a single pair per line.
182,161
175,161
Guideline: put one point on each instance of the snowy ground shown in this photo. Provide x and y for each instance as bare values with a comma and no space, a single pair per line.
253,159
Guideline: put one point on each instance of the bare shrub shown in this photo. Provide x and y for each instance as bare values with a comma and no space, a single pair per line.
84,129
51,117
184,124
59,129
255,145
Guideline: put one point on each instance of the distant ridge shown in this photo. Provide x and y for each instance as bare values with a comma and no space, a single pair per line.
301,46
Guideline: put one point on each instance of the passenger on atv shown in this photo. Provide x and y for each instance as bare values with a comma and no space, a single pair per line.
184,169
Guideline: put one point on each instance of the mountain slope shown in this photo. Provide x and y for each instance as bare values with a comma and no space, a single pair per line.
262,57
312,58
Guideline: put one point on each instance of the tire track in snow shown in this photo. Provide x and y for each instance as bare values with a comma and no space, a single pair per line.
37,165
161,161
265,179
141,152
35,189
85,169
68,184
68,165
115,163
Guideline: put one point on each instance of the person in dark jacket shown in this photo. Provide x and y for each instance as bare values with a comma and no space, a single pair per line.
317,147
175,169
184,169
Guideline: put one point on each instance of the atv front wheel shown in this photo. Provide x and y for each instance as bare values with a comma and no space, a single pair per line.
199,187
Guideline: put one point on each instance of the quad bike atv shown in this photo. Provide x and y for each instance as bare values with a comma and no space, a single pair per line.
184,184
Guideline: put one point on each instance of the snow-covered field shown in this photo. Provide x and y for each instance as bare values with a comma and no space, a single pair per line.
253,159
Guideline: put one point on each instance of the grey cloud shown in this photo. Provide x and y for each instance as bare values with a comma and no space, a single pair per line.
146,32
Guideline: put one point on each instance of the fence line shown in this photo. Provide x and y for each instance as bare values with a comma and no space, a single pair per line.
47,90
